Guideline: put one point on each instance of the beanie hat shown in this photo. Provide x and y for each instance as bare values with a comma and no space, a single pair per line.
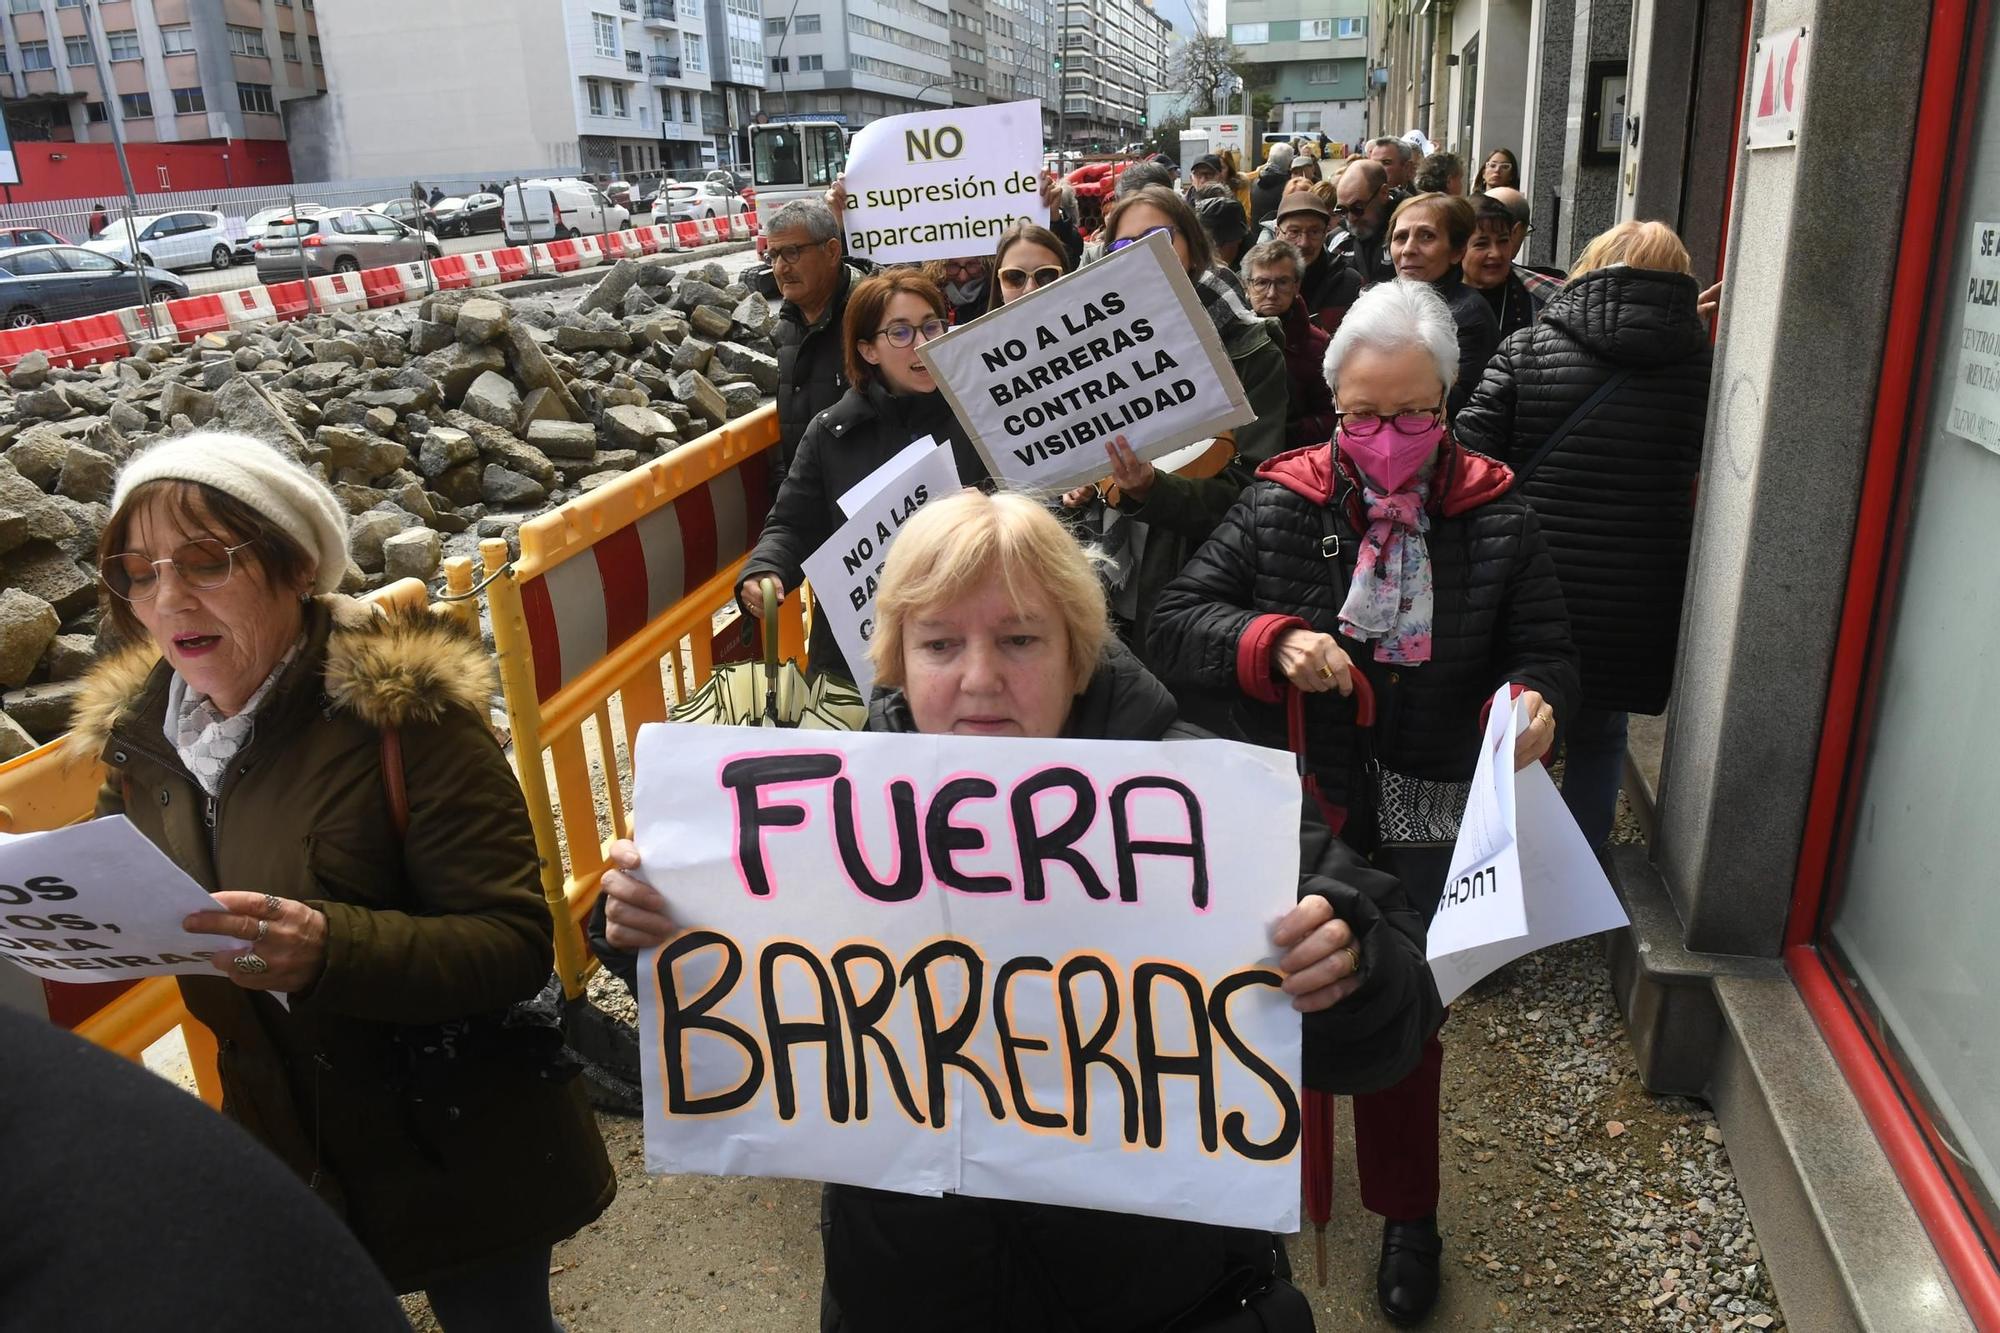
1223,220
282,492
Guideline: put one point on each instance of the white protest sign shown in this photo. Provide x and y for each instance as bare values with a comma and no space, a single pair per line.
845,571
1010,968
943,184
861,492
97,902
1522,876
1120,347
1975,397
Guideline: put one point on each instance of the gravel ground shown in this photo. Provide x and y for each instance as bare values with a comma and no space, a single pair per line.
1573,1198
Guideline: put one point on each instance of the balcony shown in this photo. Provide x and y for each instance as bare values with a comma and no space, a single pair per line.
629,6
634,62
659,11
665,67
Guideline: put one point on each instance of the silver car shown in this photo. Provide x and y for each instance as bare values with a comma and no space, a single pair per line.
313,247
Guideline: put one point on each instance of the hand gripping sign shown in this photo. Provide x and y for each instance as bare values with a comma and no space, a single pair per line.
1522,877
1017,969
943,184
1122,347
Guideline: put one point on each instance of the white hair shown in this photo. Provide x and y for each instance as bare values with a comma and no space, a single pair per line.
1391,316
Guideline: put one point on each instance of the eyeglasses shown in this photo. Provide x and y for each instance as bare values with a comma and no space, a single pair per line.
1017,279
1169,228
203,565
1354,209
789,255
1272,284
900,334
1302,233
1363,425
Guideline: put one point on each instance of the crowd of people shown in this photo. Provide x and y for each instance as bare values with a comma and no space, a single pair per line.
1464,474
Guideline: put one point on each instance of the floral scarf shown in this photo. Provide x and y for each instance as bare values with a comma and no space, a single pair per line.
1390,600
206,740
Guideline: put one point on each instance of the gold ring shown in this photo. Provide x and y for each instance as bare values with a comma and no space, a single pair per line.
1353,957
1326,671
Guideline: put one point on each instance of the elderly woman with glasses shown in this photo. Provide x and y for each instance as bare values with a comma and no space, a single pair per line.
893,401
1389,553
329,775
1272,272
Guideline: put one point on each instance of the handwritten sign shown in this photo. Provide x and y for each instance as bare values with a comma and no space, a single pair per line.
943,184
1975,395
845,571
1017,969
97,902
1120,347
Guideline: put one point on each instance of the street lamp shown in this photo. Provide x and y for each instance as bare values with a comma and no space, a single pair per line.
934,83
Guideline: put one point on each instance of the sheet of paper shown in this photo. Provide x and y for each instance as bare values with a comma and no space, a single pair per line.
98,902
1482,898
943,184
896,949
871,485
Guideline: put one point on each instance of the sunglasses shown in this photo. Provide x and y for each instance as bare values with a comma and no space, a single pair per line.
203,565
1018,279
1169,228
900,334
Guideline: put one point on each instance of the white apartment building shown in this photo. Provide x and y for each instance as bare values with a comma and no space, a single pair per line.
1114,54
736,67
852,61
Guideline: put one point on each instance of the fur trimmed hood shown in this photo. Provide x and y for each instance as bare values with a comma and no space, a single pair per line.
385,666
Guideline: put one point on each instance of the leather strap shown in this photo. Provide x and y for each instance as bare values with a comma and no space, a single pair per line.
392,783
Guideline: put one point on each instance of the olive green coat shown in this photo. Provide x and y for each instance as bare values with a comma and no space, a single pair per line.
474,1156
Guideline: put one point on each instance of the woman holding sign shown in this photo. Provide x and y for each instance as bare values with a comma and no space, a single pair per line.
329,776
992,623
893,402
1393,553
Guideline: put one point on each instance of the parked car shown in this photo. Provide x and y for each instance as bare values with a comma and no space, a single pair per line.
10,237
416,216
337,243
709,199
44,282
546,210
171,240
463,217
257,222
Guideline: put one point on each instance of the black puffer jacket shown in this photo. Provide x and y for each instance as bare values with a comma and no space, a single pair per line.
811,373
1478,335
843,447
1616,496
1265,193
901,1261
1498,618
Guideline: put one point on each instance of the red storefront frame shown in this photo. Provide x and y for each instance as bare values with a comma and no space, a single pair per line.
1965,1234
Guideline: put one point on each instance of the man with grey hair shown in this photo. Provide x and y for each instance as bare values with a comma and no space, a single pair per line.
1141,174
1393,156
802,243
1269,187
1273,272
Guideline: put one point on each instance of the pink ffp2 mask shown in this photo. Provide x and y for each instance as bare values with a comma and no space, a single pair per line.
1388,459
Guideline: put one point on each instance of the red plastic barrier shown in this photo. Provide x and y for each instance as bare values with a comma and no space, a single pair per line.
17,343
450,271
513,262
288,298
617,245
564,256
687,235
384,286
196,315
93,339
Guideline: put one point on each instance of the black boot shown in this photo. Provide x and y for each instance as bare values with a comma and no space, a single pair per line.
1406,1279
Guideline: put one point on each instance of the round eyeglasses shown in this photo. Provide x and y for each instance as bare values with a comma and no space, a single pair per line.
900,334
204,565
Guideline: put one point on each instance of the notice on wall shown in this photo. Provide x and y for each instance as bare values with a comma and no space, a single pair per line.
846,571
1017,969
98,902
943,184
1975,395
1122,347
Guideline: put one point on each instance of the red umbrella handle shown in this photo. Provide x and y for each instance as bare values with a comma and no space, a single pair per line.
1316,1167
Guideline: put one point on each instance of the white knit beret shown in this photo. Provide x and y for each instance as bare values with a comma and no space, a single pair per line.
282,492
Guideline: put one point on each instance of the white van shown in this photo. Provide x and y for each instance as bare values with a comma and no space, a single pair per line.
547,210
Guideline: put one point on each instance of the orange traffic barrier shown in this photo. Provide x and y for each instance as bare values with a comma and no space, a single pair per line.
17,343
563,256
196,315
450,271
92,339
687,235
382,286
288,299
513,262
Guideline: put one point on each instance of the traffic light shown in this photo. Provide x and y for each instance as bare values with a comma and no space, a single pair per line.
1055,63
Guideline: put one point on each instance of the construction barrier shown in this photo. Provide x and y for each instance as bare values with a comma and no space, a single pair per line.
642,240
92,339
589,251
687,235
39,791
750,221
668,237
562,256
610,609
616,245
289,299
739,227
483,267
146,323
710,233
513,262
381,286
195,315
338,291
451,272
251,305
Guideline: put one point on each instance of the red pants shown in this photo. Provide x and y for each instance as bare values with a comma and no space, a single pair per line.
1396,1141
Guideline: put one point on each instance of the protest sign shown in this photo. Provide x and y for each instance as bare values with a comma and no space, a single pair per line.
845,571
943,184
861,492
1120,347
1522,877
97,902
1011,968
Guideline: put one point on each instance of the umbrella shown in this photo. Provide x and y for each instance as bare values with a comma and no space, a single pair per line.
771,693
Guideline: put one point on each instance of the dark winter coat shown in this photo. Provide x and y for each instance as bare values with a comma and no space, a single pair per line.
1616,497
1498,618
436,1162
844,446
899,1261
1478,335
1309,414
1266,192
811,369
1328,287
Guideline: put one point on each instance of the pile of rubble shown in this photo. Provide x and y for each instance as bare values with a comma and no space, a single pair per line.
437,424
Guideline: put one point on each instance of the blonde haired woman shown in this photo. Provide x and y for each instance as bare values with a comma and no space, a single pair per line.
1599,408
991,622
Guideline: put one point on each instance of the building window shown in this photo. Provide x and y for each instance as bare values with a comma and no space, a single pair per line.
774,27
695,48
123,44
35,55
687,108
247,41
24,6
781,64
1352,27
606,30
289,44
690,9
77,50
189,101
1250,34
619,107
594,91
806,24
1316,30
135,106
177,41
96,112
312,46
1305,120
69,4
256,97
1322,72
810,63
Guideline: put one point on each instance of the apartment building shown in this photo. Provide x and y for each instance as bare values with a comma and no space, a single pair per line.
1114,55
738,74
852,61
1311,56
